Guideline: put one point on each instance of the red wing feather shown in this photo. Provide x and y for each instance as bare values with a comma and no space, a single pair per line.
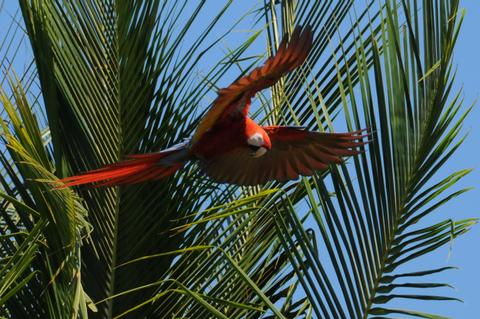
288,57
295,152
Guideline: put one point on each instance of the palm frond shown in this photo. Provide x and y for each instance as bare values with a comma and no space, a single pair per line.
51,219
132,81
369,228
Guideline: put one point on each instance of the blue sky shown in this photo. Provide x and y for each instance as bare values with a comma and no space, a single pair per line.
464,252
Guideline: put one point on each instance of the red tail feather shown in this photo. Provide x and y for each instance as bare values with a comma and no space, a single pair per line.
139,168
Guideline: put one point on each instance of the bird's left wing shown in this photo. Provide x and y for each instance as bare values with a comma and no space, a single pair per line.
294,152
288,57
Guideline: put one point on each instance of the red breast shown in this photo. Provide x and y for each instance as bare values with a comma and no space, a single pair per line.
225,137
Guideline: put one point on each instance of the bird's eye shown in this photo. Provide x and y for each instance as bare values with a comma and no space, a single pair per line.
254,147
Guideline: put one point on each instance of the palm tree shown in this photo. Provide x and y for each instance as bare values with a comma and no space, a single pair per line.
112,78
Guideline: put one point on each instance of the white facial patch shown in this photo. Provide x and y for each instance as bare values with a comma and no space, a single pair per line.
255,140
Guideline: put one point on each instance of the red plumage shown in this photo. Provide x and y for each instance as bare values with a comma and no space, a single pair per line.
138,168
232,148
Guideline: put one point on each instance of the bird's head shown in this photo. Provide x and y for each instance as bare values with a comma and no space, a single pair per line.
259,143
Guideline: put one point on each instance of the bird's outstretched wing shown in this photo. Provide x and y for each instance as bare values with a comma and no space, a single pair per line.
288,57
294,152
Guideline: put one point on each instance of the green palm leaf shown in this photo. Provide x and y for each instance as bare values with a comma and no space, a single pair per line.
369,227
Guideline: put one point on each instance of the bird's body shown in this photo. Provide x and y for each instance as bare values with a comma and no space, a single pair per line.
230,147
227,136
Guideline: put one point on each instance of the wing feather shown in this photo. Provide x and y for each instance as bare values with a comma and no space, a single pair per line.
294,152
300,167
288,57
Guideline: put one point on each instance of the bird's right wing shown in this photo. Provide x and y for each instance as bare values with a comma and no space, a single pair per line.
294,152
288,57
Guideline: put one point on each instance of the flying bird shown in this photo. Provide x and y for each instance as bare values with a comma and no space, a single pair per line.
230,147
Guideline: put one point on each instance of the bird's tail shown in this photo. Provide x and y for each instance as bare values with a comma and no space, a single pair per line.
136,169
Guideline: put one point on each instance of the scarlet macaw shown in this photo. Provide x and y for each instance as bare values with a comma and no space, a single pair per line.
230,147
